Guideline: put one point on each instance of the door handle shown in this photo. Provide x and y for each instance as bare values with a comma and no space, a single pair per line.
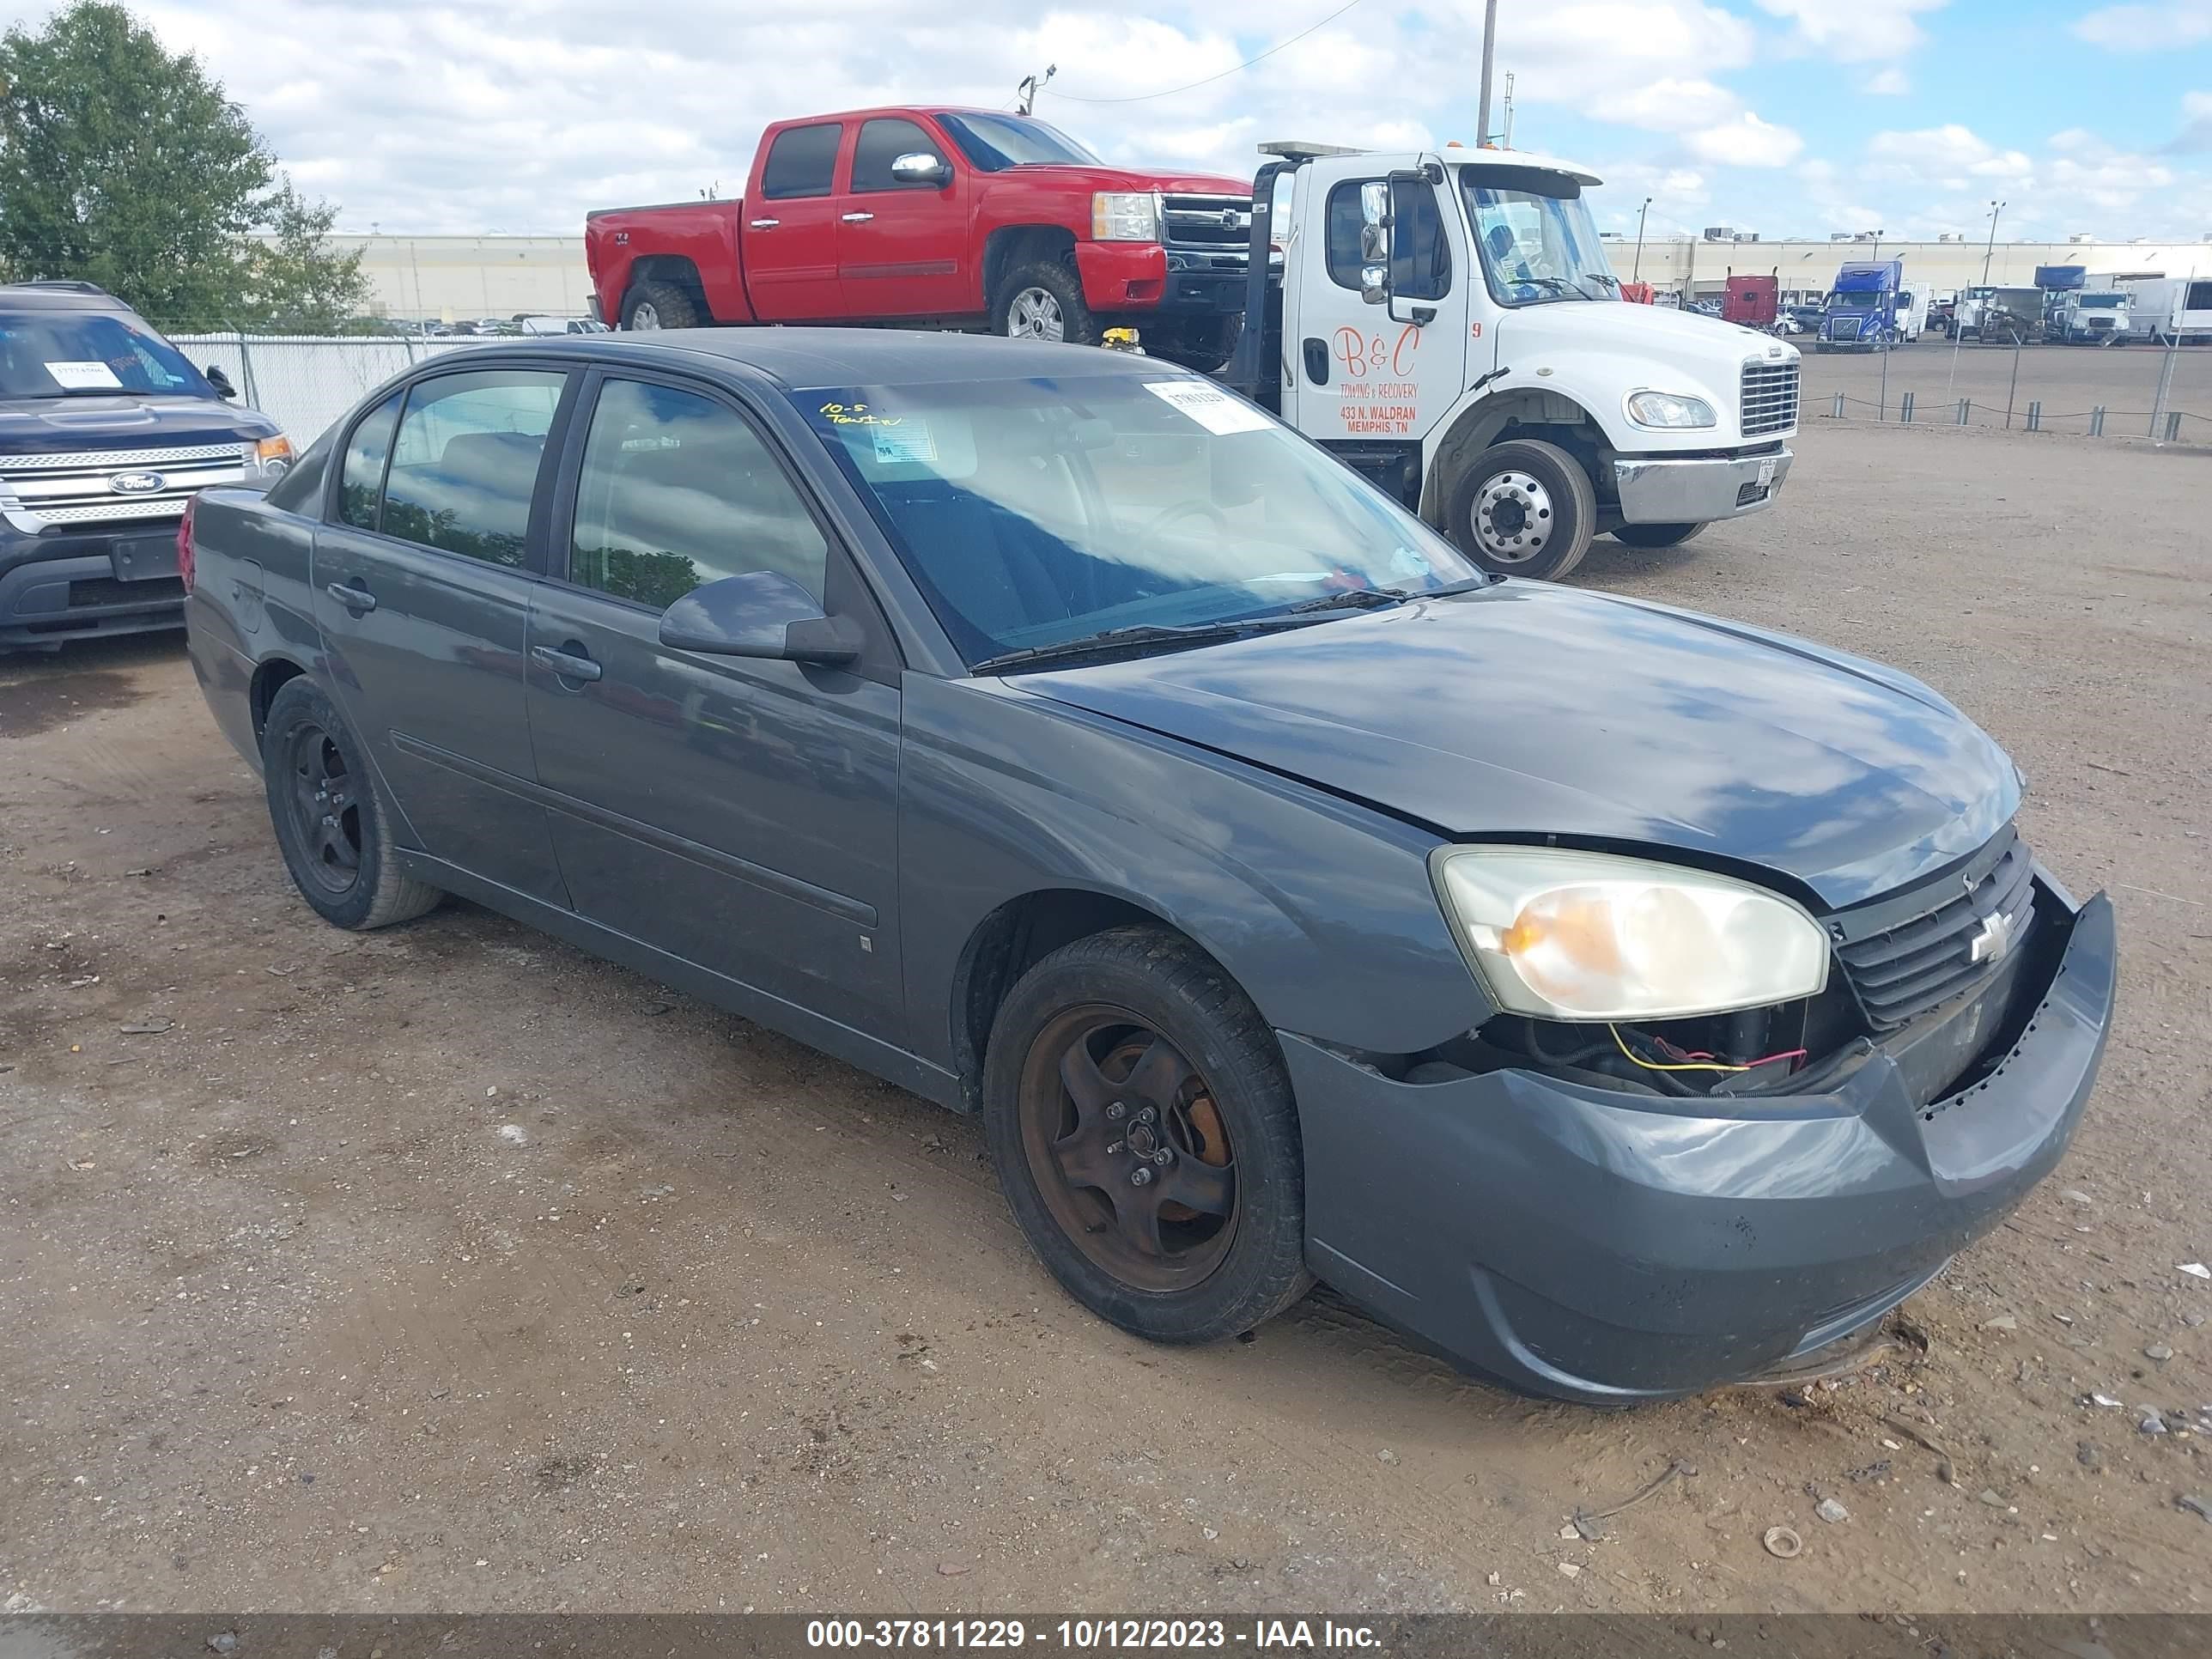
856,218
1317,357
763,224
567,665
355,599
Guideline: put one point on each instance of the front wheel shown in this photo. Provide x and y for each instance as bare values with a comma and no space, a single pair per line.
1044,302
1523,508
1654,535
1144,1132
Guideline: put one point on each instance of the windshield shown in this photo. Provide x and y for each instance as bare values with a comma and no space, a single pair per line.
1536,246
1857,299
993,144
64,353
2098,301
1040,512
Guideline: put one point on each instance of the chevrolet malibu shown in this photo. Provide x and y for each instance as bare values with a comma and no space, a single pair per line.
1616,1001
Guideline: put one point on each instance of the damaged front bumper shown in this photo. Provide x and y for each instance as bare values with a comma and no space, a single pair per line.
1607,1247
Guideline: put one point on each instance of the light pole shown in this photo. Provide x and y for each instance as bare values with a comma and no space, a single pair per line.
1877,247
1489,47
1637,270
1995,207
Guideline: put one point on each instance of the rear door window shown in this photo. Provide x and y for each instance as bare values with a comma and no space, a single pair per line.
801,162
465,465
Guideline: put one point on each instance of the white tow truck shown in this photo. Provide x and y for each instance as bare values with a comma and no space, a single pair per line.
1447,323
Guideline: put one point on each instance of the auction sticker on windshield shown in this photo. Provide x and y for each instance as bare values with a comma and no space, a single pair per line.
84,377
1212,409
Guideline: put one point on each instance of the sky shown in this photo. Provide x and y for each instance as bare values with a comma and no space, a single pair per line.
1783,117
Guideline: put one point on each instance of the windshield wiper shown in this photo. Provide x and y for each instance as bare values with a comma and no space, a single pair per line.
1116,639
1361,598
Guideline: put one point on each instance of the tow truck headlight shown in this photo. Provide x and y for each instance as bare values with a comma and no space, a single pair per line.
265,460
1668,409
1124,215
1588,936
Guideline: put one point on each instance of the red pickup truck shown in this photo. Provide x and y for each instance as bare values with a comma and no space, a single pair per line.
939,218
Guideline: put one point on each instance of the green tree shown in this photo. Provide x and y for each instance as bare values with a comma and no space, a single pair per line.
123,164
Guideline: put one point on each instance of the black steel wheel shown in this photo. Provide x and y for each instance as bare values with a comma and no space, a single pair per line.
330,821
1143,1129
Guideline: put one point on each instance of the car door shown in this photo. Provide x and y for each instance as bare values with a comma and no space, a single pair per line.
902,245
423,574
1362,377
739,813
791,226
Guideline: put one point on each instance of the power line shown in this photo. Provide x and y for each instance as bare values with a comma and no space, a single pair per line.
1146,97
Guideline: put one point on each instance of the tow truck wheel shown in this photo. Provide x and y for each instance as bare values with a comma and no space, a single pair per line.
660,305
1044,302
1654,535
1523,508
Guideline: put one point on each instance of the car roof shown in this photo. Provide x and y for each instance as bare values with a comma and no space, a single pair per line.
58,296
814,359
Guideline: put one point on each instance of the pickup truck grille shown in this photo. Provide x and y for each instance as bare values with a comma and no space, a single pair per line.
1902,972
1208,224
78,487
1770,399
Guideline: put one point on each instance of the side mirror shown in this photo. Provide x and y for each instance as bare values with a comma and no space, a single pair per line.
921,167
762,613
1375,285
220,381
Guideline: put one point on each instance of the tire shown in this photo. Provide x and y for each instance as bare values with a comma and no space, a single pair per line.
1134,1002
1542,510
1043,301
1656,535
657,304
345,865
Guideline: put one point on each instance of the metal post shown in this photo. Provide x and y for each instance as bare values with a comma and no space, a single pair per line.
1995,207
1636,271
2035,414
1489,44
1965,408
2165,380
1905,407
2014,386
1884,406
246,369
2097,422
1837,413
2173,428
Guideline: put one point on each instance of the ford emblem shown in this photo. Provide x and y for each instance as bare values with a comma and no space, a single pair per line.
138,484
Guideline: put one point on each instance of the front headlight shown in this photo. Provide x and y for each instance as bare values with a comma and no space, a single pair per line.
1124,215
1588,936
1668,409
265,460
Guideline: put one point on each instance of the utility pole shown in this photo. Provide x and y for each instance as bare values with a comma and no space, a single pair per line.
1031,85
1995,207
1508,139
1877,247
1637,270
1489,45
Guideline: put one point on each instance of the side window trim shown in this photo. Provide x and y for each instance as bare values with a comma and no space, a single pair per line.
334,486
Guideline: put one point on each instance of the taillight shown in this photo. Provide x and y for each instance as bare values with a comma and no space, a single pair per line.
185,543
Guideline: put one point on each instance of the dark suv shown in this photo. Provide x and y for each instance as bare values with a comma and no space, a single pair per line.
106,431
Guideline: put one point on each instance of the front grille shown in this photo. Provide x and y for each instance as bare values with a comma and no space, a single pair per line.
1770,399
1909,967
76,488
1215,224
117,460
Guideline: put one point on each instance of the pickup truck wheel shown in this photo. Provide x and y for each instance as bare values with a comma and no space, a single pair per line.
1523,508
331,822
1044,302
1654,535
1143,1132
660,305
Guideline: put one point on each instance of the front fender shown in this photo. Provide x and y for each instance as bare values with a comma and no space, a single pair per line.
1320,909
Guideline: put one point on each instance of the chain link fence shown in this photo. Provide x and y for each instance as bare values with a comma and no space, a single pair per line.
305,382
2161,393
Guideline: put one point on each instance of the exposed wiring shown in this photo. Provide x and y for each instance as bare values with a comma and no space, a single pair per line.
1707,1064
1146,97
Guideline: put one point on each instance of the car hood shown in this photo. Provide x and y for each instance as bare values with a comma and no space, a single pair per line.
1091,176
1523,710
41,426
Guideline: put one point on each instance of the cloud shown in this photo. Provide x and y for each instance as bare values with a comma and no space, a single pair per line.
1891,82
1856,31
2195,132
1746,142
2149,28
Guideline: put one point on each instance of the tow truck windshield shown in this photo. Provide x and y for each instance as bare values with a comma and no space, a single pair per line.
1537,245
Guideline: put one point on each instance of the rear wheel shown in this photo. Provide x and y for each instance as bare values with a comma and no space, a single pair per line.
1523,508
330,822
1044,301
1654,535
656,304
1144,1132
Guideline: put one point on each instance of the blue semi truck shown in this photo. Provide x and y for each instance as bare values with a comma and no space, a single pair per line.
1869,309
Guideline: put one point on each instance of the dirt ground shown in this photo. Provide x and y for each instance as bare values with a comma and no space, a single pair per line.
2068,381
444,1268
